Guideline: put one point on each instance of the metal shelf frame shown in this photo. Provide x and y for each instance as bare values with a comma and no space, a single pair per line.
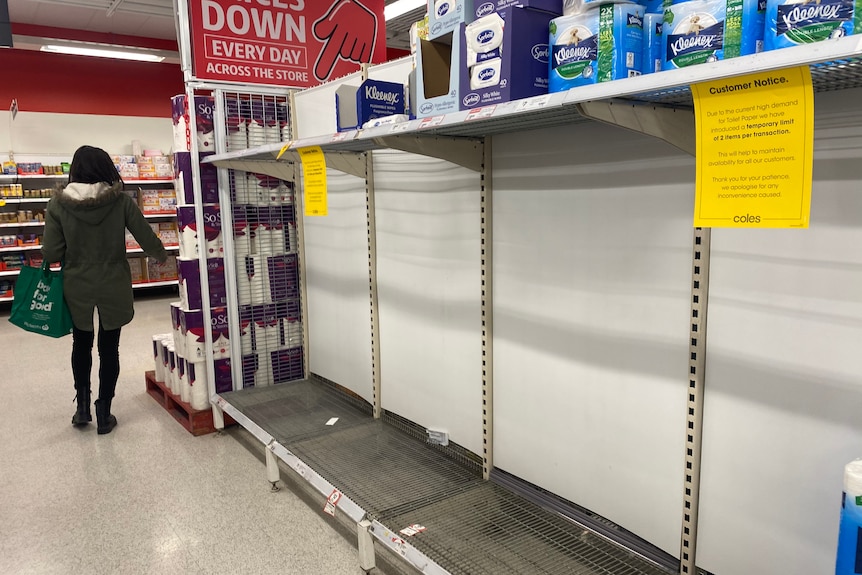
658,105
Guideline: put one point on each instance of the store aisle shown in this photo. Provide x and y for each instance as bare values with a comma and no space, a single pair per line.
147,498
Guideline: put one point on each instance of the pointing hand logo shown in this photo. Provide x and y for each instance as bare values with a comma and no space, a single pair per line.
349,31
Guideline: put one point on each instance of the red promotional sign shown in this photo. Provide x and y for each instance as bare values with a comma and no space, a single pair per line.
295,43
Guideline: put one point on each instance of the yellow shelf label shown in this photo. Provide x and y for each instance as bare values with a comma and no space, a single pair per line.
314,179
755,150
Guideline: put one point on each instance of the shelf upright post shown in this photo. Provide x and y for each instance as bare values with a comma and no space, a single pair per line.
184,37
226,211
371,229
298,216
487,223
696,385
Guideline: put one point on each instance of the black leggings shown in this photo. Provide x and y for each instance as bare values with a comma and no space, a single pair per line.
109,360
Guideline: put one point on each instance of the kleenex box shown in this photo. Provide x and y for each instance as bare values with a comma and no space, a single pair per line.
478,8
504,57
372,99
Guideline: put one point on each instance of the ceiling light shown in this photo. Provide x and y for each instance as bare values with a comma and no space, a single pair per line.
102,53
401,7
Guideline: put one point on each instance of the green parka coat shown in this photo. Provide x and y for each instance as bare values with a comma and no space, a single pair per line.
85,228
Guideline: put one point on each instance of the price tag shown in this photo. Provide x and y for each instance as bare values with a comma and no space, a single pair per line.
400,127
340,136
284,148
480,113
332,502
534,103
431,122
412,530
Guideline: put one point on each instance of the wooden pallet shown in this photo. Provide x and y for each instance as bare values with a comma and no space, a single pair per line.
196,422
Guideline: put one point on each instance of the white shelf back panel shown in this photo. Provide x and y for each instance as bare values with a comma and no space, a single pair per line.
392,71
592,269
315,107
339,310
429,291
783,384
47,134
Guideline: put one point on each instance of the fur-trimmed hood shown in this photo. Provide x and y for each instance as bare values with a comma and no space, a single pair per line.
89,202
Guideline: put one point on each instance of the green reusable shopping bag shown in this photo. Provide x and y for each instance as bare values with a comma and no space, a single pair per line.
39,306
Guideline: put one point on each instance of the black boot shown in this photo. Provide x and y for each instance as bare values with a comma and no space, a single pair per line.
82,416
105,422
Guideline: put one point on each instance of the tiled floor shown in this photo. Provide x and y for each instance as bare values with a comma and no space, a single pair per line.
147,498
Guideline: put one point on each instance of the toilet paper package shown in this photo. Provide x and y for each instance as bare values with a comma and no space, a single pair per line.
599,45
171,378
177,328
652,56
701,31
190,282
185,389
180,117
246,329
184,183
794,23
263,125
223,376
257,370
160,355
444,16
282,275
507,68
287,364
220,330
213,232
241,231
196,377
480,8
252,285
188,232
192,332
236,121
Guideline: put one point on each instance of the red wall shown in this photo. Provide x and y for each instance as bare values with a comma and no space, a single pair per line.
43,82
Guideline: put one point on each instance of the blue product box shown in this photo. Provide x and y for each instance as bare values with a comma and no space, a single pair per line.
599,45
478,8
792,24
372,99
652,56
444,16
438,74
508,68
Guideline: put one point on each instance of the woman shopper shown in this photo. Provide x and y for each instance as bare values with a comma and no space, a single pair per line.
85,230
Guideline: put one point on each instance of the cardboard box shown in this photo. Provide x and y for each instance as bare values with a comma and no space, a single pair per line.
354,106
445,16
157,272
167,232
136,265
520,65
438,74
479,8
155,202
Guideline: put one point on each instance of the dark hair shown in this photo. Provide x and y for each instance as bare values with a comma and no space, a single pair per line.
93,165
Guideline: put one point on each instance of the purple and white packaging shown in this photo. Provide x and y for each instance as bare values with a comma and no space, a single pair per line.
223,375
251,280
237,125
188,232
190,283
180,119
184,182
172,376
263,125
185,389
160,355
283,277
179,341
240,185
242,231
220,333
287,364
203,123
212,231
196,376
192,326
246,329
256,370
204,106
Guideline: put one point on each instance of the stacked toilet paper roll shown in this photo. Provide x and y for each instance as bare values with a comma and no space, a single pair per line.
182,376
237,125
252,280
849,549
160,356
197,381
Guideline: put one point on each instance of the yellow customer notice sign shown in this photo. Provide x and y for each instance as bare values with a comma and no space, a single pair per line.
755,147
314,179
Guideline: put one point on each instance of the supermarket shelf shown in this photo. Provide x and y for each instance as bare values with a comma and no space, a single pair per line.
388,473
24,200
143,285
155,216
41,176
23,225
834,64
140,251
5,299
161,181
20,248
9,273
136,181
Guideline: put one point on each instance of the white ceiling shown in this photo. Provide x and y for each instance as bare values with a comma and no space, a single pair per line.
145,18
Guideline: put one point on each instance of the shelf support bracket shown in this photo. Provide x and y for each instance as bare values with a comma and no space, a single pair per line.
673,125
366,546
465,152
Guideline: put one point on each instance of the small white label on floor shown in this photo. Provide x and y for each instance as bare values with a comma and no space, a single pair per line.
412,530
332,421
